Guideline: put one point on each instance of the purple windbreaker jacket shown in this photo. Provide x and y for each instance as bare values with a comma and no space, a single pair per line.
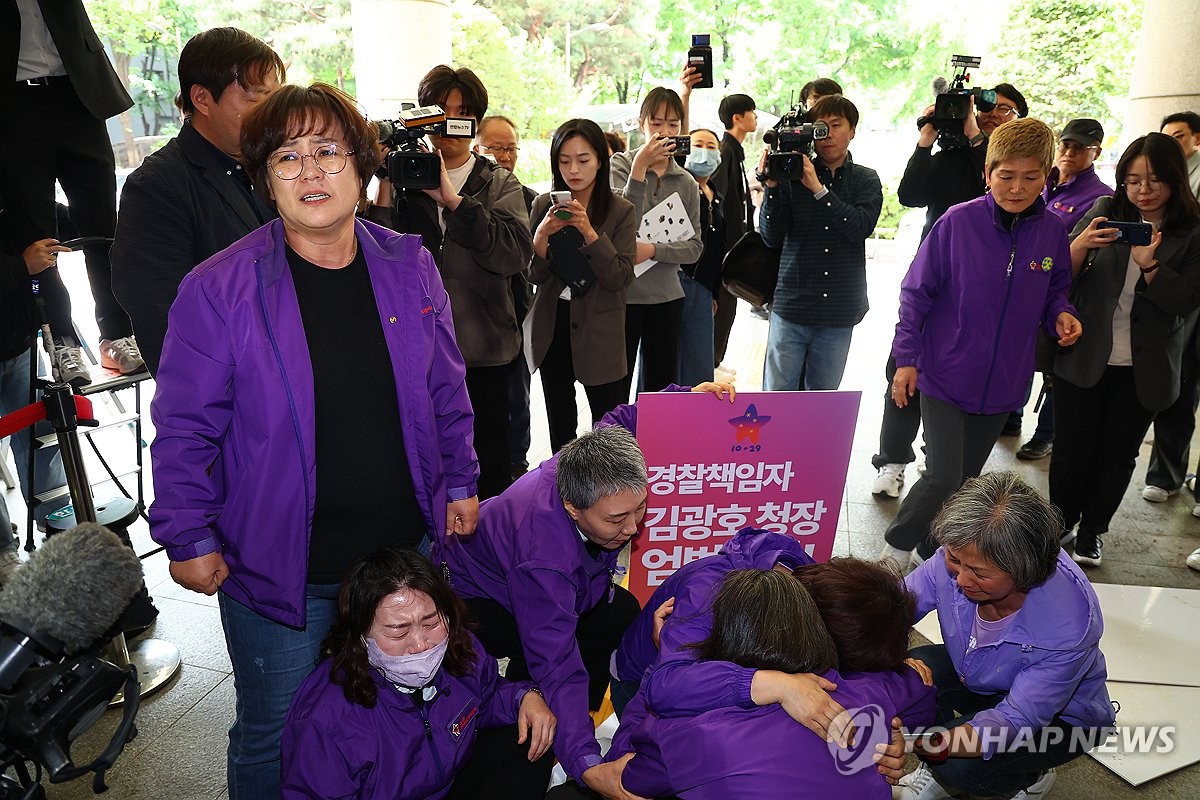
527,555
972,300
335,748
694,586
1048,661
762,752
1070,201
235,419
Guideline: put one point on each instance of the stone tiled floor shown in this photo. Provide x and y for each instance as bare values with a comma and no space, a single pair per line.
180,750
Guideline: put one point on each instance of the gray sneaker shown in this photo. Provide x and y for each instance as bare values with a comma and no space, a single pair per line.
10,562
121,355
72,368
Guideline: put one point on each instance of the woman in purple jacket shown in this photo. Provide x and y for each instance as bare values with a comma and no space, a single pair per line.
1020,678
989,273
766,619
309,372
406,705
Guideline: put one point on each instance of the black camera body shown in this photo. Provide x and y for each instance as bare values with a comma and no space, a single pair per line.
791,141
952,106
409,165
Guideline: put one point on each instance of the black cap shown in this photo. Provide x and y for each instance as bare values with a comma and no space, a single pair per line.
1085,131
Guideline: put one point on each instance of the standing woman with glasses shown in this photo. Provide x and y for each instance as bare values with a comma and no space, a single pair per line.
1132,301
315,326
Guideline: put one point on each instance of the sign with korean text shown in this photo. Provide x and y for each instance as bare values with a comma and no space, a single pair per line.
771,460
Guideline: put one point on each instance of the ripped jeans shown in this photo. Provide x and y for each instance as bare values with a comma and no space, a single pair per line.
270,661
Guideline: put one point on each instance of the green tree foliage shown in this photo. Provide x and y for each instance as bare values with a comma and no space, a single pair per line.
1072,58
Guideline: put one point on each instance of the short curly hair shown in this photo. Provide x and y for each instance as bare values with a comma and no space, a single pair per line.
294,111
1022,138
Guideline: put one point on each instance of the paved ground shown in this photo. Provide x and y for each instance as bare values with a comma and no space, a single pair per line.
180,752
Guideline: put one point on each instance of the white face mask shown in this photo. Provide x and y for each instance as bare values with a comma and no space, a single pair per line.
702,163
411,672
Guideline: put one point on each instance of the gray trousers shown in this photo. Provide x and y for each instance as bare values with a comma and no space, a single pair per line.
957,445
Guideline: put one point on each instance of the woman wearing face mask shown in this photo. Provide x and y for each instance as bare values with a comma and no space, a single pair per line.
1133,301
646,177
571,336
406,704
702,280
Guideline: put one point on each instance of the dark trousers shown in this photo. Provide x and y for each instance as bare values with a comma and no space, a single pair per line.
1097,435
723,324
488,389
58,137
598,633
957,447
1005,773
558,385
573,791
518,415
657,328
499,768
1173,427
899,428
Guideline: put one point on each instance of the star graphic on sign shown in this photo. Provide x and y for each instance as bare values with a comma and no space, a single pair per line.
749,424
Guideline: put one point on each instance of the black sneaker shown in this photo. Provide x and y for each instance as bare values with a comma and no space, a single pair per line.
1034,449
1087,551
1011,428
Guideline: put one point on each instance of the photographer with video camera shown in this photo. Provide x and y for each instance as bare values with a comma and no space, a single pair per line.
821,208
474,220
937,181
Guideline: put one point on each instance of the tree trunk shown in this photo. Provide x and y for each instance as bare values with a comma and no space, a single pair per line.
121,65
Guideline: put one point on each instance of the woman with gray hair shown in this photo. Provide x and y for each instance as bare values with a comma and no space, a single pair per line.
1020,677
541,575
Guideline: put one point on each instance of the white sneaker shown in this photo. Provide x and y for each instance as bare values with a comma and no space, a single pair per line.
1196,511
889,481
121,355
72,368
919,785
10,562
1039,789
724,368
1193,560
723,375
1157,494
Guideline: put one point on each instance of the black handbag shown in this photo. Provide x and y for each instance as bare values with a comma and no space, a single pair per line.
750,270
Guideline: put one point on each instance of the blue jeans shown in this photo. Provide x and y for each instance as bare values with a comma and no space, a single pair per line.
818,353
270,661
48,469
696,337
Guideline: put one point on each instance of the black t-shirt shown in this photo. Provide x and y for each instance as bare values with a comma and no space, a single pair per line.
365,496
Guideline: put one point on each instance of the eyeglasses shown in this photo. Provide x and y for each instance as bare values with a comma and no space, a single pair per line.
329,158
1136,185
508,151
1074,147
1003,110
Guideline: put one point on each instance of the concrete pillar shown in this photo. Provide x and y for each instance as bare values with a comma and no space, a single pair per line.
1166,71
395,43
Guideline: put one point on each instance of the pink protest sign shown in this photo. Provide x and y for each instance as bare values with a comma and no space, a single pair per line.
772,460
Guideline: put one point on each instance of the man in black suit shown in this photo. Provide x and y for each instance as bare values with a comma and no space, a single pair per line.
192,198
58,81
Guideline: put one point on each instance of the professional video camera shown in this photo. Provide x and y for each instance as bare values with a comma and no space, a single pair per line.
57,614
791,141
410,165
953,104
